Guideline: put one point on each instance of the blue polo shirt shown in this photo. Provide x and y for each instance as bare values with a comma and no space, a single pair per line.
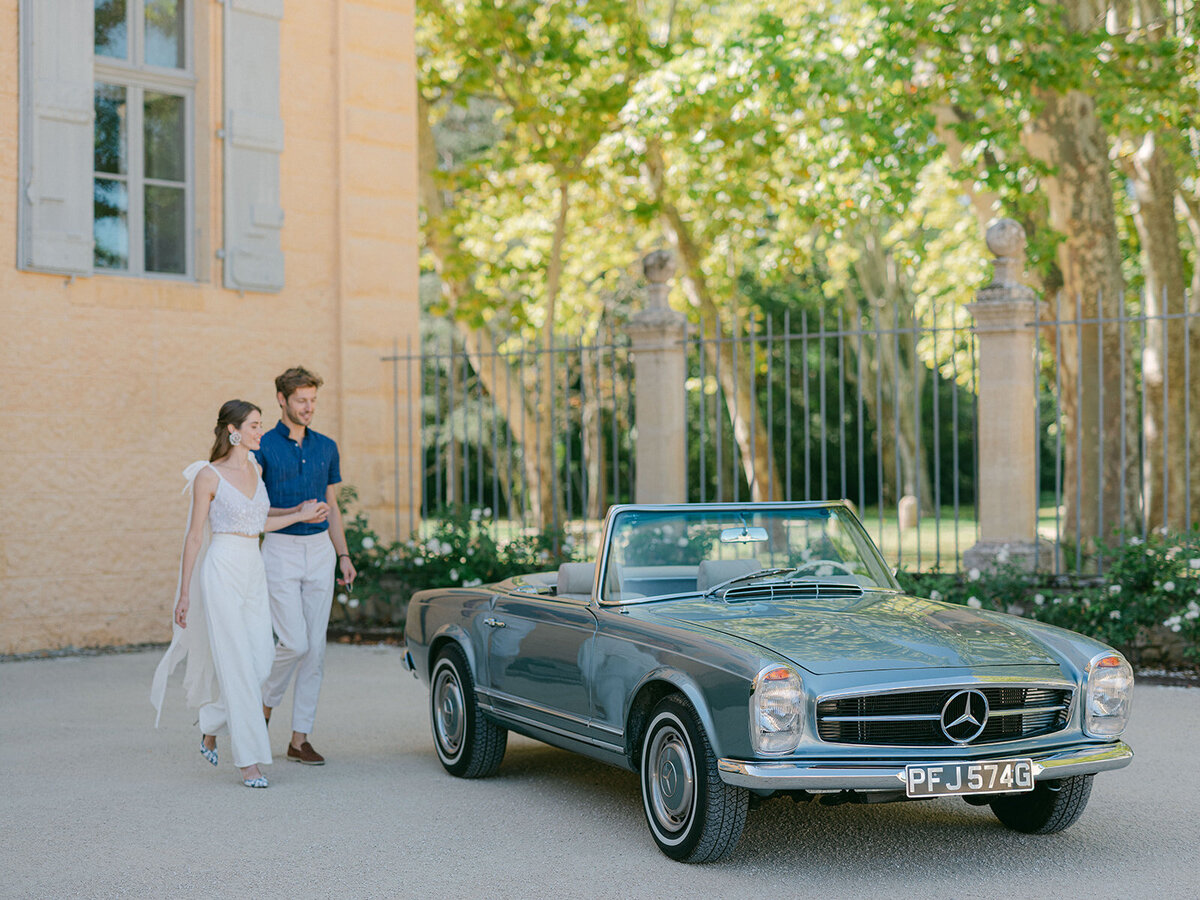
297,471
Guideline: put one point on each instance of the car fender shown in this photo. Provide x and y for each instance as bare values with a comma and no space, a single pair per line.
458,635
686,685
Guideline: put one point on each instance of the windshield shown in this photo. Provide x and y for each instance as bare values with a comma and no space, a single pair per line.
655,552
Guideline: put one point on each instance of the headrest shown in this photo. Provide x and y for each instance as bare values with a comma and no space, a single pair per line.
714,571
576,578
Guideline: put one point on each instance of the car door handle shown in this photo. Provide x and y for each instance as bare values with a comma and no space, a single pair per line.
494,623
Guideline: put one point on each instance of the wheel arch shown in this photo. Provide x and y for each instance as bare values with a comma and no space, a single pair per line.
649,692
445,637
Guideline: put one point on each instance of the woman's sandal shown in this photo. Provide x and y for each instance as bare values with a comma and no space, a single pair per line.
210,755
259,782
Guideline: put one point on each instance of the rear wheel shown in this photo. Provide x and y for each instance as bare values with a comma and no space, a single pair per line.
468,743
693,815
1050,807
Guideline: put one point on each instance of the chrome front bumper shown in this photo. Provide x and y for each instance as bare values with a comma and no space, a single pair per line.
835,776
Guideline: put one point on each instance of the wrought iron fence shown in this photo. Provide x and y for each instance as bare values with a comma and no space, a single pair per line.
881,411
534,438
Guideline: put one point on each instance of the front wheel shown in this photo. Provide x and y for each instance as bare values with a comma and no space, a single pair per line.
1050,807
693,815
468,743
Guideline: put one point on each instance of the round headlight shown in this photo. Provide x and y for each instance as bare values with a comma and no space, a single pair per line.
1109,695
776,710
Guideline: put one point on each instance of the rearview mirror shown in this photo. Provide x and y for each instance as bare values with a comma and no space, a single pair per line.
743,535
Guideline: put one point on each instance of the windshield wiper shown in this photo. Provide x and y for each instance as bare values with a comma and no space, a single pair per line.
760,573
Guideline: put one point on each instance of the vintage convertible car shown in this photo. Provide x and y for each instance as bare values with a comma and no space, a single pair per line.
731,651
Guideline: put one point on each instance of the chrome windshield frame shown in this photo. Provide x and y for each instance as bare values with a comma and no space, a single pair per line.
615,512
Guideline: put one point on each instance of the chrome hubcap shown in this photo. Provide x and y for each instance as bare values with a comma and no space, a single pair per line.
448,721
672,779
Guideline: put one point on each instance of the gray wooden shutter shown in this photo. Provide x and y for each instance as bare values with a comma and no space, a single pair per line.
253,144
55,204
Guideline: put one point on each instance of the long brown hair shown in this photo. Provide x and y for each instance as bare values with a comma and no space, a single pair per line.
235,413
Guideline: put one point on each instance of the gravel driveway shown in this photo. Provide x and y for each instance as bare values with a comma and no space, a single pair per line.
96,803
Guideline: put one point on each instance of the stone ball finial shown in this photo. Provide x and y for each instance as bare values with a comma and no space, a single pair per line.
658,266
1006,238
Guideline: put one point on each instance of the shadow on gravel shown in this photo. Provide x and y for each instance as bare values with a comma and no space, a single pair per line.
899,838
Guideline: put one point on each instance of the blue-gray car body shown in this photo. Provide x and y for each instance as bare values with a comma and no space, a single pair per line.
583,670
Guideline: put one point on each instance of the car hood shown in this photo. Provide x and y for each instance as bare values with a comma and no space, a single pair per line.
874,632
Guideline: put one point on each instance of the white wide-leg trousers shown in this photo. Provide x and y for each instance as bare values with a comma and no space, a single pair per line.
239,632
300,576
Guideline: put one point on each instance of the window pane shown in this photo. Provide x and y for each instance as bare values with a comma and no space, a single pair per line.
112,33
164,33
165,135
110,132
110,209
166,229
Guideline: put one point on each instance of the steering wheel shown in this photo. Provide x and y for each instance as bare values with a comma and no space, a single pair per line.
816,563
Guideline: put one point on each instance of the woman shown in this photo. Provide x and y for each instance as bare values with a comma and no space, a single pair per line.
222,620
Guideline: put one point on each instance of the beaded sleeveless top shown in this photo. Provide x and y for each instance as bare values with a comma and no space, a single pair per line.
233,511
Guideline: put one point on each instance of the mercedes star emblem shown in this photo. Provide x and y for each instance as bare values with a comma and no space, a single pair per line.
964,716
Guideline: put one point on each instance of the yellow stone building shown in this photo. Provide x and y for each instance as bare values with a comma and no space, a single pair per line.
193,197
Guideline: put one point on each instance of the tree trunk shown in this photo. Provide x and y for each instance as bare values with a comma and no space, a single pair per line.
593,436
903,382
529,423
1098,492
1164,488
741,401
1190,206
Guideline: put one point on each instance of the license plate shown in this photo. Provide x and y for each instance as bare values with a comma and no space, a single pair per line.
1001,777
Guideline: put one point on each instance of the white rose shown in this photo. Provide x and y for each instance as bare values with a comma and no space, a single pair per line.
368,543
935,595
353,604
454,574
419,561
1039,599
1169,586
341,598
974,603
1115,615
1194,563
973,575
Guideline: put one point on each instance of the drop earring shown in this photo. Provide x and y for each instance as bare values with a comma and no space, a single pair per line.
235,438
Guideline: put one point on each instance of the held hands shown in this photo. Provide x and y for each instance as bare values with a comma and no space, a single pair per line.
313,511
181,611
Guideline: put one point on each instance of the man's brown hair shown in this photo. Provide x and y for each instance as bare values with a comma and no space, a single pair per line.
295,378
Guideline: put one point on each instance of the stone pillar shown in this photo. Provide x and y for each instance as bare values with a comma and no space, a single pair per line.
1008,488
656,334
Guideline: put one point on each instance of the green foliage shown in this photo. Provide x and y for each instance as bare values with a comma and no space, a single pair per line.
457,550
1151,589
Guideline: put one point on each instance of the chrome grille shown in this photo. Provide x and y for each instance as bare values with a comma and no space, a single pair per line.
913,718
784,591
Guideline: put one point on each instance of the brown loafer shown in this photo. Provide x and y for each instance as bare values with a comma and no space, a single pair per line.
306,755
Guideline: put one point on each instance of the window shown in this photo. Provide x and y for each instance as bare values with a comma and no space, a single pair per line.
142,182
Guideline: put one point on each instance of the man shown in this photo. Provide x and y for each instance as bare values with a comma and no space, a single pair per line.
300,464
